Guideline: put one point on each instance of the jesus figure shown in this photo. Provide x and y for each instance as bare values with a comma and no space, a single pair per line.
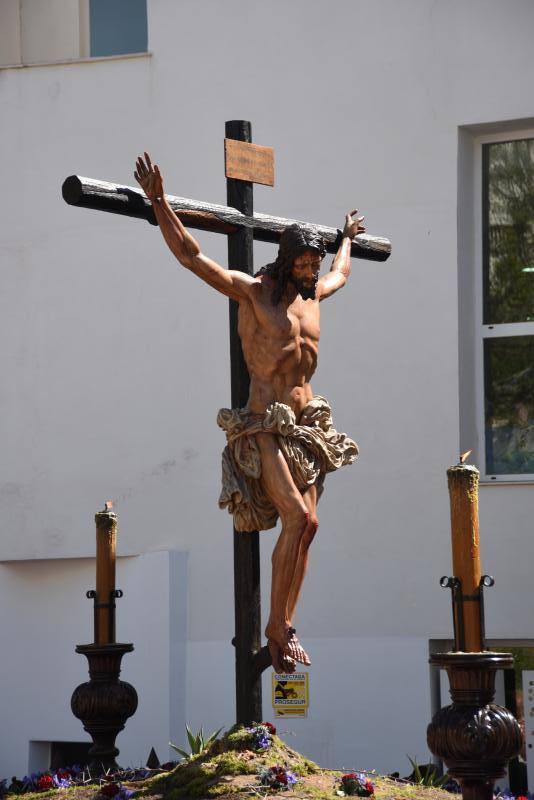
281,445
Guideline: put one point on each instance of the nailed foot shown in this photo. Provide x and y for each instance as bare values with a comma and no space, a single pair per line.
295,649
282,663
289,647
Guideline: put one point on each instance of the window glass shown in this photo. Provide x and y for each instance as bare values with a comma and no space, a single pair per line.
118,27
508,231
509,379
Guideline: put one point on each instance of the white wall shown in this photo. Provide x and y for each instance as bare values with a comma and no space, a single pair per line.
45,614
115,360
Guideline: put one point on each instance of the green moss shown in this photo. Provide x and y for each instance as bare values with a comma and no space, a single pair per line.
237,738
217,789
174,794
279,753
40,795
198,787
214,775
232,764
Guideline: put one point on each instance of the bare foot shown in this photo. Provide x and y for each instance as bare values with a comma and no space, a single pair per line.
282,663
288,645
295,649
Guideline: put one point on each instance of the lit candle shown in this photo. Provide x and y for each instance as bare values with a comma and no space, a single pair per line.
463,491
106,539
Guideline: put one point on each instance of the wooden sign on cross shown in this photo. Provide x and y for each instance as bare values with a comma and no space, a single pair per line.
245,164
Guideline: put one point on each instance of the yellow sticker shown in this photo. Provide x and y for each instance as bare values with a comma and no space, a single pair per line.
290,694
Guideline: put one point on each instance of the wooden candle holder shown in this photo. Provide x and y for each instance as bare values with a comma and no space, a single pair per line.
104,703
474,737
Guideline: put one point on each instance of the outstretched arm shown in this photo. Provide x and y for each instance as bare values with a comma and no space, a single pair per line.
340,269
185,247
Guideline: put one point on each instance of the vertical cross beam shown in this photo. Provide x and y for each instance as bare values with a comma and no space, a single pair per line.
239,195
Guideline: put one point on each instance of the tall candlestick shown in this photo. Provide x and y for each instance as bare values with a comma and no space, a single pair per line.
106,539
463,491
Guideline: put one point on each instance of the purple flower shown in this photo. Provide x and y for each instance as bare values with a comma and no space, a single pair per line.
62,778
291,778
125,793
29,782
262,741
261,736
62,783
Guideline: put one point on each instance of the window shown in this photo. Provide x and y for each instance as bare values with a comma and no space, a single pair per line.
505,265
117,27
33,31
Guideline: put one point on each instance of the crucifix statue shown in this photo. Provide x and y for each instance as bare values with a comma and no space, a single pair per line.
281,441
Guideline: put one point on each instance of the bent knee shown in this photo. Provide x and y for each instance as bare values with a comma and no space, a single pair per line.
295,519
310,530
299,518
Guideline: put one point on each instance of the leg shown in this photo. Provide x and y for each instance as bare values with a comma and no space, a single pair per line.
310,500
280,488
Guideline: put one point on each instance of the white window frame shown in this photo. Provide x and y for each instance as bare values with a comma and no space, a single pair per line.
482,331
81,49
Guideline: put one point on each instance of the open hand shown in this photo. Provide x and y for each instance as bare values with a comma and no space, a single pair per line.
353,226
149,178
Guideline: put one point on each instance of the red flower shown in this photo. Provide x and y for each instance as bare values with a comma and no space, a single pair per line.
270,727
350,777
369,787
44,783
110,789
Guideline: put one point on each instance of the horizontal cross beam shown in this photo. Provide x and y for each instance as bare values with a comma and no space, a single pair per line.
132,202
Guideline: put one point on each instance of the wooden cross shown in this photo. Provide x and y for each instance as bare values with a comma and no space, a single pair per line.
245,164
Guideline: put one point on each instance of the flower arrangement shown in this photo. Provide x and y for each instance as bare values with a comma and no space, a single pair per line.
262,735
63,778
277,777
507,795
355,783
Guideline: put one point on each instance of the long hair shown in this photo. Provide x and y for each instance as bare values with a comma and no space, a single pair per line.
294,240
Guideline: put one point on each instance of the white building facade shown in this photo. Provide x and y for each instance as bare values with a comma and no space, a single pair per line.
115,359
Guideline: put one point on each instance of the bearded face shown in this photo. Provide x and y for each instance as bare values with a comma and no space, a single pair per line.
305,273
298,261
306,289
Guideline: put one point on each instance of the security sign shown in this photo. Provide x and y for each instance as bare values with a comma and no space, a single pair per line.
290,694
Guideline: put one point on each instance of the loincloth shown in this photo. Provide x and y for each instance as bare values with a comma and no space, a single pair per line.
311,449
